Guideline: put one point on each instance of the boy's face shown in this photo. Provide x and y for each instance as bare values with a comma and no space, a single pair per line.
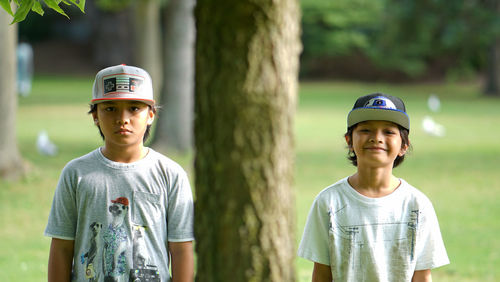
377,143
123,123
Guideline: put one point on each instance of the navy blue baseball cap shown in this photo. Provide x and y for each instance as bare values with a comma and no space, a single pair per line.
379,106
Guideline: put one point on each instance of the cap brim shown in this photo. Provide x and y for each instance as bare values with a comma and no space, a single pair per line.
146,101
363,114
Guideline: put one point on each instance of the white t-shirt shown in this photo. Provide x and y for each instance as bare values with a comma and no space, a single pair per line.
122,216
373,239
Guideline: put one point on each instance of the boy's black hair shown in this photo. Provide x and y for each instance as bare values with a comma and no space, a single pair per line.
405,140
93,109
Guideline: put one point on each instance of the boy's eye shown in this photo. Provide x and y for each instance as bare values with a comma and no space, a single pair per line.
390,132
109,109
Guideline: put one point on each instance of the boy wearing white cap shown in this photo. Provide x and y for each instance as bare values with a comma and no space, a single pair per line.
122,212
372,226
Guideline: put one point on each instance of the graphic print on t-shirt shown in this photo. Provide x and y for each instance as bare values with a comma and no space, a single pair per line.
143,270
115,238
108,247
360,244
91,257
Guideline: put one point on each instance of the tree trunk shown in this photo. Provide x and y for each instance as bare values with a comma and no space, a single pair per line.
174,128
492,86
11,163
147,38
246,86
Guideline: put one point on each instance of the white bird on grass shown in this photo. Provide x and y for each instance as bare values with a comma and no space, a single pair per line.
434,103
44,145
433,128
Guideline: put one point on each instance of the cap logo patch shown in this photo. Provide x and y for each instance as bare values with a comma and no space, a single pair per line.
122,83
380,103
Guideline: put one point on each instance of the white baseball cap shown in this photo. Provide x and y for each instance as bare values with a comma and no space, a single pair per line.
123,82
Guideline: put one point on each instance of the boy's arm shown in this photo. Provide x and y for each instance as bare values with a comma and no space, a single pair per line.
321,272
182,261
60,260
422,276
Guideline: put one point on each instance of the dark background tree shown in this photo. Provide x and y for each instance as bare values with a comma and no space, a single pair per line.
492,82
246,87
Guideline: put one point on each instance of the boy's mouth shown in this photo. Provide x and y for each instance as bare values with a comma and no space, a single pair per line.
375,149
123,131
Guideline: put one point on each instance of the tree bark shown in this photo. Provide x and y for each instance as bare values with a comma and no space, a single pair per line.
246,87
174,128
11,163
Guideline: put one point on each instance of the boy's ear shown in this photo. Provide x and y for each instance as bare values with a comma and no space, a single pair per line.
403,150
151,117
94,117
348,141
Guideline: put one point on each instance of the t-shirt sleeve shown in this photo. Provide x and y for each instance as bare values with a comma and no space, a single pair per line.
430,252
180,210
63,215
314,245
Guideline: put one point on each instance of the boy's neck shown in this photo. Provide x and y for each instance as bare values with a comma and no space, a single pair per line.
374,183
124,155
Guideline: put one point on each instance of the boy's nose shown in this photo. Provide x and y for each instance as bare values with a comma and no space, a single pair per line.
122,118
376,137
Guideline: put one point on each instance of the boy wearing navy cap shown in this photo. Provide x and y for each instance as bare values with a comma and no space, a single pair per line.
372,226
122,212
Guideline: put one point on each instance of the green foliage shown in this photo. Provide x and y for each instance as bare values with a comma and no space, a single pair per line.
403,35
112,5
338,27
419,32
25,6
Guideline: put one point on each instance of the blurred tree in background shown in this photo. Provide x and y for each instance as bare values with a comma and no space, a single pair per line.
174,126
11,163
394,40
334,31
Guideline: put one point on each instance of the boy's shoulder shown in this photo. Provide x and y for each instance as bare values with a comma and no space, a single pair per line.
333,191
164,161
85,160
334,188
415,193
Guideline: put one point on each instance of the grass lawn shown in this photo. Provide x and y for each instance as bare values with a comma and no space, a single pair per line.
459,172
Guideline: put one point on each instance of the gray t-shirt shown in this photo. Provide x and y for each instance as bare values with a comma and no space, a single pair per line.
122,216
373,239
